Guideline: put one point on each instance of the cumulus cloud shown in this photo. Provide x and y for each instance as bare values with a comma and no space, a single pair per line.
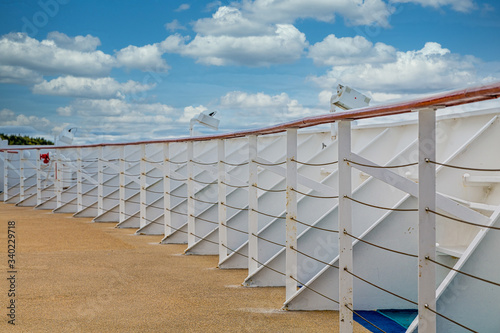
335,51
103,88
18,75
174,25
458,5
429,69
183,7
190,112
78,43
285,45
46,57
117,107
146,58
10,118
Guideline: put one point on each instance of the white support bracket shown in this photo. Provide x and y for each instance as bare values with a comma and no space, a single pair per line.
79,188
122,184
142,191
100,181
291,213
190,195
167,215
38,178
253,206
222,210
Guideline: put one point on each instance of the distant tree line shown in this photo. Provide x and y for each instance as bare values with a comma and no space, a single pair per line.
24,140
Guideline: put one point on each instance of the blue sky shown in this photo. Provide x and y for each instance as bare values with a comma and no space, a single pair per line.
135,70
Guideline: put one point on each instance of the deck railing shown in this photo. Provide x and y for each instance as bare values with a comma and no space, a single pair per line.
161,186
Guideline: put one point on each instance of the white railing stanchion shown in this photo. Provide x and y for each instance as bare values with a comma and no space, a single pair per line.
426,220
291,212
5,175
253,205
345,226
100,181
121,179
58,178
222,211
142,191
38,178
79,187
167,216
190,194
21,173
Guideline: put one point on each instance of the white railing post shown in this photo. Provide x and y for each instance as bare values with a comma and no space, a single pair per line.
100,181
5,175
190,195
221,155
291,212
58,175
79,187
142,191
38,178
21,174
253,205
167,216
345,226
426,220
122,184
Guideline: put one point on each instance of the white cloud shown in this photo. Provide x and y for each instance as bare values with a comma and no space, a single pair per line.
285,45
174,25
183,7
458,5
335,51
78,43
18,75
64,111
429,69
146,58
117,107
45,57
190,112
104,88
10,118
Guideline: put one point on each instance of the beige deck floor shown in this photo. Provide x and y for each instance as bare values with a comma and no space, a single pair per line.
78,276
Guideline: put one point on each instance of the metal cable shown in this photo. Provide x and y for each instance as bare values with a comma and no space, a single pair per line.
268,190
241,254
315,164
321,261
204,239
315,196
235,164
378,287
177,179
464,273
380,247
449,319
311,289
462,221
237,208
235,186
173,211
180,162
154,177
243,232
176,196
273,216
202,163
153,162
207,202
269,164
267,240
382,167
131,175
268,267
312,226
380,207
360,316
204,220
459,167
202,182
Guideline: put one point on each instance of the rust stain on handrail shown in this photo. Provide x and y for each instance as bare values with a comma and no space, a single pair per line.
447,99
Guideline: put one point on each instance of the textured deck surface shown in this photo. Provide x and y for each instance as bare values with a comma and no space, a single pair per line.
78,276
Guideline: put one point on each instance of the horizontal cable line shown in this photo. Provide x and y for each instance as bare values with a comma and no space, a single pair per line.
131,175
315,196
321,261
114,186
203,163
380,166
235,164
449,319
273,216
269,164
204,239
381,247
378,287
110,160
311,289
154,177
204,220
235,186
380,207
315,164
267,240
202,182
360,316
234,251
243,232
207,202
156,192
111,174
90,161
176,196
233,207
177,179
268,267
462,221
459,167
130,161
462,272
173,211
313,226
269,190
178,162
152,162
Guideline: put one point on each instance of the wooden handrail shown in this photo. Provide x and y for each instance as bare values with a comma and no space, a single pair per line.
446,99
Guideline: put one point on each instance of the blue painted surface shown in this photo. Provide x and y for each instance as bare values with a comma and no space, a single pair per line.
379,320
